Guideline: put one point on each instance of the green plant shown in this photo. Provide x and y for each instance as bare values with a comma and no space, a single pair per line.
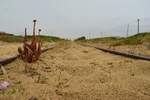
42,79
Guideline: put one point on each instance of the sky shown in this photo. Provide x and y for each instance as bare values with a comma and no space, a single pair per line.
75,18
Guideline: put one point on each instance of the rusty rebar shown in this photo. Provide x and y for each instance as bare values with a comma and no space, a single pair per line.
34,25
31,51
39,32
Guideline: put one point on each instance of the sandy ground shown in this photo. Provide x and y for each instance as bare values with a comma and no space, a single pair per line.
8,48
73,72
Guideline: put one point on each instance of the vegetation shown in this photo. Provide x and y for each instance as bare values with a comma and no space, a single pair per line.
107,40
135,39
116,41
81,38
14,38
4,33
10,38
48,38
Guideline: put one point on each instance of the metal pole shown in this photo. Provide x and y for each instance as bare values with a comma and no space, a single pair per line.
138,31
25,35
127,30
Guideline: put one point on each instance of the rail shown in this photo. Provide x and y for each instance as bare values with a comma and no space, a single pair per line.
125,54
9,59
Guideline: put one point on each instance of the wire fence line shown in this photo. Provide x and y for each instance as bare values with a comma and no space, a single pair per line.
122,29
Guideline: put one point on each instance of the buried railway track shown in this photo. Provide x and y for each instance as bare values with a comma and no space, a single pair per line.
125,54
6,60
9,59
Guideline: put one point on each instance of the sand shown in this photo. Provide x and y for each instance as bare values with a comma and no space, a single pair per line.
73,72
8,48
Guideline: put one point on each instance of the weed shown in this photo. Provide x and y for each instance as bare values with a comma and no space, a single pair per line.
42,79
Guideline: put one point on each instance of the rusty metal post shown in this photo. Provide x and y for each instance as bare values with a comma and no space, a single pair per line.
39,32
39,42
34,21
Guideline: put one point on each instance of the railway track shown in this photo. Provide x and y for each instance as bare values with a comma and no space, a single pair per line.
125,54
9,59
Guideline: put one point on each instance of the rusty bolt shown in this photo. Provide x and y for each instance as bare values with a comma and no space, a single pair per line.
34,20
40,30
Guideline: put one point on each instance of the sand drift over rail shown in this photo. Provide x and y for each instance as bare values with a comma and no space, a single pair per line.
74,72
9,59
125,54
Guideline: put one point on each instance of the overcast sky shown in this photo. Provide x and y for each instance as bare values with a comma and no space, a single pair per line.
74,18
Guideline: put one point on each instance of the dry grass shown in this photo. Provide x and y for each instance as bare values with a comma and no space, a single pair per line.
8,48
